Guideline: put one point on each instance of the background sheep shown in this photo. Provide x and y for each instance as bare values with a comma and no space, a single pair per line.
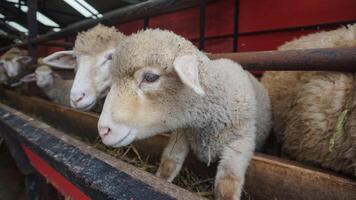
14,61
91,57
51,84
162,82
309,107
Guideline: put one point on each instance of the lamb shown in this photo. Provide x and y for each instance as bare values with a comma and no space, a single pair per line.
161,83
14,62
314,112
91,57
51,84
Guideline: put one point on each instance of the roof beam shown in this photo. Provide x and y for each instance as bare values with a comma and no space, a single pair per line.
121,15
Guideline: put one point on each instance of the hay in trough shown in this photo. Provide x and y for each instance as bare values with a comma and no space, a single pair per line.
186,179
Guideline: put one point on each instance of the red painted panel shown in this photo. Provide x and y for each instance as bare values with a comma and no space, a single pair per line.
219,20
131,27
270,41
219,45
56,179
260,15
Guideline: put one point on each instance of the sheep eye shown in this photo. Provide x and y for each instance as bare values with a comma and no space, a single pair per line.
109,57
150,78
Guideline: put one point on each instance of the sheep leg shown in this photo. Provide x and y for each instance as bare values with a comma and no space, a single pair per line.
230,175
173,156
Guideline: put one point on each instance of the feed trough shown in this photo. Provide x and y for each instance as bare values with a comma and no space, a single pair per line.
52,136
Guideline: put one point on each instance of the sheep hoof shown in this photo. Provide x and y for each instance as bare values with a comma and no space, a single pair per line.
166,169
226,188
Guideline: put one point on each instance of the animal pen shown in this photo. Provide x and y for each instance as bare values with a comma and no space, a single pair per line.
56,148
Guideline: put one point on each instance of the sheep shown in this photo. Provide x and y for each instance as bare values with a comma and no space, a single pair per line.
51,84
14,62
162,82
314,112
91,57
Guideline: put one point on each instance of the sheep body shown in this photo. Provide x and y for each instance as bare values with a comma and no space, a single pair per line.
307,107
218,125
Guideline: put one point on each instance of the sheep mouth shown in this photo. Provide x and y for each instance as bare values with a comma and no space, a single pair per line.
117,144
87,107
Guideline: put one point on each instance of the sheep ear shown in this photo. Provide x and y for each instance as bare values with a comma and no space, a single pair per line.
187,69
61,59
28,78
23,59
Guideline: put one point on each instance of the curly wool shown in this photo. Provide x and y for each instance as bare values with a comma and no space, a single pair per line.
96,40
306,107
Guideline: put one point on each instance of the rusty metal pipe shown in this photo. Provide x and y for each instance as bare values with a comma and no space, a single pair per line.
329,59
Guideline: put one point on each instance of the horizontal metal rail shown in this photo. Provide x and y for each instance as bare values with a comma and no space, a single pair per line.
268,177
328,59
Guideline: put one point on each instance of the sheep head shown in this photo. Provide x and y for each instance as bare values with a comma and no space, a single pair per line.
155,77
13,61
43,76
90,57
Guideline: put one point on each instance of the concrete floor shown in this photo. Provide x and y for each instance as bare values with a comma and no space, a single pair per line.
11,181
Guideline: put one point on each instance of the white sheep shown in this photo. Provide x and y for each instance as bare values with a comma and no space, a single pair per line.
162,82
14,62
314,112
91,57
51,84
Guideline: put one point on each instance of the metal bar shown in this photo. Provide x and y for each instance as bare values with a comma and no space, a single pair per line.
59,44
32,28
146,22
11,29
121,15
268,177
202,25
236,25
329,59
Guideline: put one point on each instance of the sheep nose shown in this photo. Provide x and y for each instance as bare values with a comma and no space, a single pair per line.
104,131
77,97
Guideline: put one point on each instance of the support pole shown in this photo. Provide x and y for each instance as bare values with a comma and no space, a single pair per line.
33,28
202,25
236,25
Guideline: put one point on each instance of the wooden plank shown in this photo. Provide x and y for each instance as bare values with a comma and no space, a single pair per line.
268,177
